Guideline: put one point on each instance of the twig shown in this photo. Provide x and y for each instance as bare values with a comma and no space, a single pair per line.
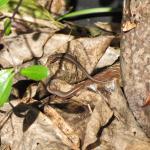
16,10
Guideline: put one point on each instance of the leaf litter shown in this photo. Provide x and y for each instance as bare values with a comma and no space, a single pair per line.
96,116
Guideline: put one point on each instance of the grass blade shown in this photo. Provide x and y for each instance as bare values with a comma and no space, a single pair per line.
87,12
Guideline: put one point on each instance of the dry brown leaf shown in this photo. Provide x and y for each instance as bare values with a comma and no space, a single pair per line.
60,85
99,118
75,114
119,105
63,131
63,126
111,27
22,48
109,57
124,132
41,134
30,91
57,7
25,47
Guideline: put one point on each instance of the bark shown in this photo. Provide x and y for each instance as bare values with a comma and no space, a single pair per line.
135,58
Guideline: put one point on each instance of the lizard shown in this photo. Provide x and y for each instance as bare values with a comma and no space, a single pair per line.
70,58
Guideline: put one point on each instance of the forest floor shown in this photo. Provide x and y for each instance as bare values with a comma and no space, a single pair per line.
81,104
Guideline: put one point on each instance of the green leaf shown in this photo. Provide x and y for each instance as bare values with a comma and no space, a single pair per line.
3,2
6,81
7,26
28,7
87,12
35,72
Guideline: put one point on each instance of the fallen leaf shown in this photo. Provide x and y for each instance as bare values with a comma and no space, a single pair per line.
110,56
100,116
45,132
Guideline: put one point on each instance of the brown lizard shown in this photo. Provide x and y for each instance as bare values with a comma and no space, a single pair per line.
70,58
62,94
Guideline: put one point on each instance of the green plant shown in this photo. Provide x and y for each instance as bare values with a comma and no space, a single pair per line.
3,2
7,26
87,12
84,12
6,79
28,8
35,72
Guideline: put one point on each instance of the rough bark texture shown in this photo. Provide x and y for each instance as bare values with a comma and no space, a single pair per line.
135,60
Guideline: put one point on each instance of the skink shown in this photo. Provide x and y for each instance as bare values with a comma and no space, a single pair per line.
68,57
62,94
